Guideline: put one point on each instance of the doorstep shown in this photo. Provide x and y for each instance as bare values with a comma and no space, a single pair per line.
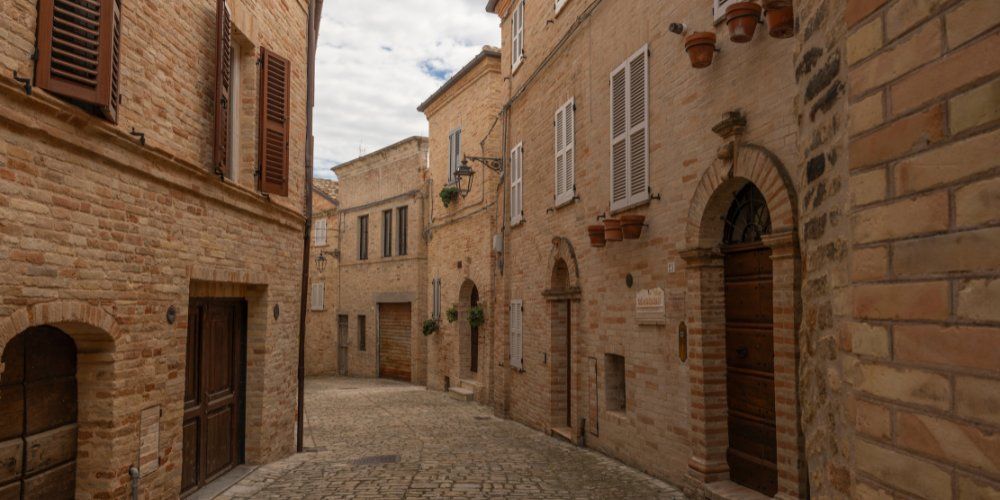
220,485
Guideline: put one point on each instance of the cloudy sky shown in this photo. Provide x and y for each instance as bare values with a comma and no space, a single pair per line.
377,60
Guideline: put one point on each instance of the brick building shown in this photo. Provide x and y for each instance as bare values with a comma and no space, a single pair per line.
809,306
321,318
382,263
461,259
138,245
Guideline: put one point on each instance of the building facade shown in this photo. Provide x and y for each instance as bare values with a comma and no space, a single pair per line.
382,264
321,317
139,246
800,302
461,257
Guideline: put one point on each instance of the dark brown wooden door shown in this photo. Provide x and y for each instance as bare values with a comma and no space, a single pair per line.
213,406
394,340
343,342
752,453
38,410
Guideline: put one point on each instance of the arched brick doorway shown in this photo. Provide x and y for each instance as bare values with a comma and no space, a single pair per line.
563,297
468,336
38,413
717,265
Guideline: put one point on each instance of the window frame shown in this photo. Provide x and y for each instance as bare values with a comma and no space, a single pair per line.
362,333
387,233
363,237
402,230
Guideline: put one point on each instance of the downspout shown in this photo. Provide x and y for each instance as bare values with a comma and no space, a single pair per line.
307,236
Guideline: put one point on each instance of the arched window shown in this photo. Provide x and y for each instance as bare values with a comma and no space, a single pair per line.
748,218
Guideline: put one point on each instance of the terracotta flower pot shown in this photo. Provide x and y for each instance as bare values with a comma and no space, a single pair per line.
612,230
742,18
700,47
632,226
596,236
780,21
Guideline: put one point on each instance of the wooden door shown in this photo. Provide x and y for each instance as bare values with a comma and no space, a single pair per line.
394,339
569,364
343,342
752,452
474,336
213,390
38,410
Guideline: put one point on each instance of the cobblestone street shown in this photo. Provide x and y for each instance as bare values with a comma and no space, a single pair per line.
379,439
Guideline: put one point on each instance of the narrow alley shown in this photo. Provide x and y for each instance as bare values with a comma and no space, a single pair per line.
371,438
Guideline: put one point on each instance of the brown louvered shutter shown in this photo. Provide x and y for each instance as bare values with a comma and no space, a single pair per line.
274,100
78,51
223,87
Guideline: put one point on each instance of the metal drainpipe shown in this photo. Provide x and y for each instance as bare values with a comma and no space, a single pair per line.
307,237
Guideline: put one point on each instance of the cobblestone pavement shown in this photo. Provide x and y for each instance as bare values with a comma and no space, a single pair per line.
382,439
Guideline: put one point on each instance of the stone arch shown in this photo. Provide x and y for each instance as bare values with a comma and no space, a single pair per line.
710,202
97,335
465,334
563,254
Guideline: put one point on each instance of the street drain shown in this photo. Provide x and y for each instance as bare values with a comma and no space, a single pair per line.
377,459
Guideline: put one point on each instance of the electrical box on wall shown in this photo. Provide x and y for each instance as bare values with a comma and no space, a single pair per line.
498,243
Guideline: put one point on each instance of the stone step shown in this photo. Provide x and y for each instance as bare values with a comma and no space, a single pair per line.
468,384
565,433
461,393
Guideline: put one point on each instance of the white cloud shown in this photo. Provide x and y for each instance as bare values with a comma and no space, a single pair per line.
377,60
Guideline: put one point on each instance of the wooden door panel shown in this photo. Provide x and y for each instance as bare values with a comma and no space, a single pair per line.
11,411
748,302
218,430
751,395
756,474
753,438
11,453
11,491
750,348
50,448
218,342
53,484
190,467
51,404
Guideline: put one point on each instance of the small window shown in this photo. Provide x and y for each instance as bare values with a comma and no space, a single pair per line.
401,231
387,233
436,286
363,237
517,36
517,334
319,232
629,132
362,333
318,296
516,186
454,153
614,382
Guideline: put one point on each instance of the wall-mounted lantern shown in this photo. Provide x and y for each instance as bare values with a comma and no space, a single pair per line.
465,171
321,260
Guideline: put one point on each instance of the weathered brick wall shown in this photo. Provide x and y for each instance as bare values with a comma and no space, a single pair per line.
460,236
654,433
384,180
923,168
100,235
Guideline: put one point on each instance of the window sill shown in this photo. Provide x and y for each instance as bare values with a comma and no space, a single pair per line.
620,416
517,224
571,201
560,9
641,204
516,66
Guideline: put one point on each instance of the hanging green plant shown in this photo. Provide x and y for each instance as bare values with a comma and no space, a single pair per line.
451,314
430,326
477,317
449,194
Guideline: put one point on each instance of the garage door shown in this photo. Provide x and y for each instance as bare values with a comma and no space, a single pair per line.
394,341
38,416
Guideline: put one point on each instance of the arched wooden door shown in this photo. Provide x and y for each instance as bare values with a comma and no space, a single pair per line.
38,411
752,453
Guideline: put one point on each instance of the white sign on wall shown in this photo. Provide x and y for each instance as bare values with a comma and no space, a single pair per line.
651,307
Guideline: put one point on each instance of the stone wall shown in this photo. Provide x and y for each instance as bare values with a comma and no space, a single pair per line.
384,180
100,235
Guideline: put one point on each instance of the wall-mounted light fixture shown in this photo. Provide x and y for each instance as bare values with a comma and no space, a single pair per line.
465,171
321,260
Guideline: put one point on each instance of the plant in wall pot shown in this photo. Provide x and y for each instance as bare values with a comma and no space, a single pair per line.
451,314
477,317
700,47
780,18
449,194
430,326
632,226
596,234
742,18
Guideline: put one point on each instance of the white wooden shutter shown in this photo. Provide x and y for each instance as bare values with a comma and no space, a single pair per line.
318,296
517,35
638,158
516,334
559,5
454,153
630,132
517,184
319,232
565,161
619,137
719,8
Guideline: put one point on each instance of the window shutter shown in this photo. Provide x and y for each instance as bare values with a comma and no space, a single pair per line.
223,86
78,51
638,159
517,35
719,9
516,334
319,232
274,121
318,296
565,161
619,139
559,5
516,184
